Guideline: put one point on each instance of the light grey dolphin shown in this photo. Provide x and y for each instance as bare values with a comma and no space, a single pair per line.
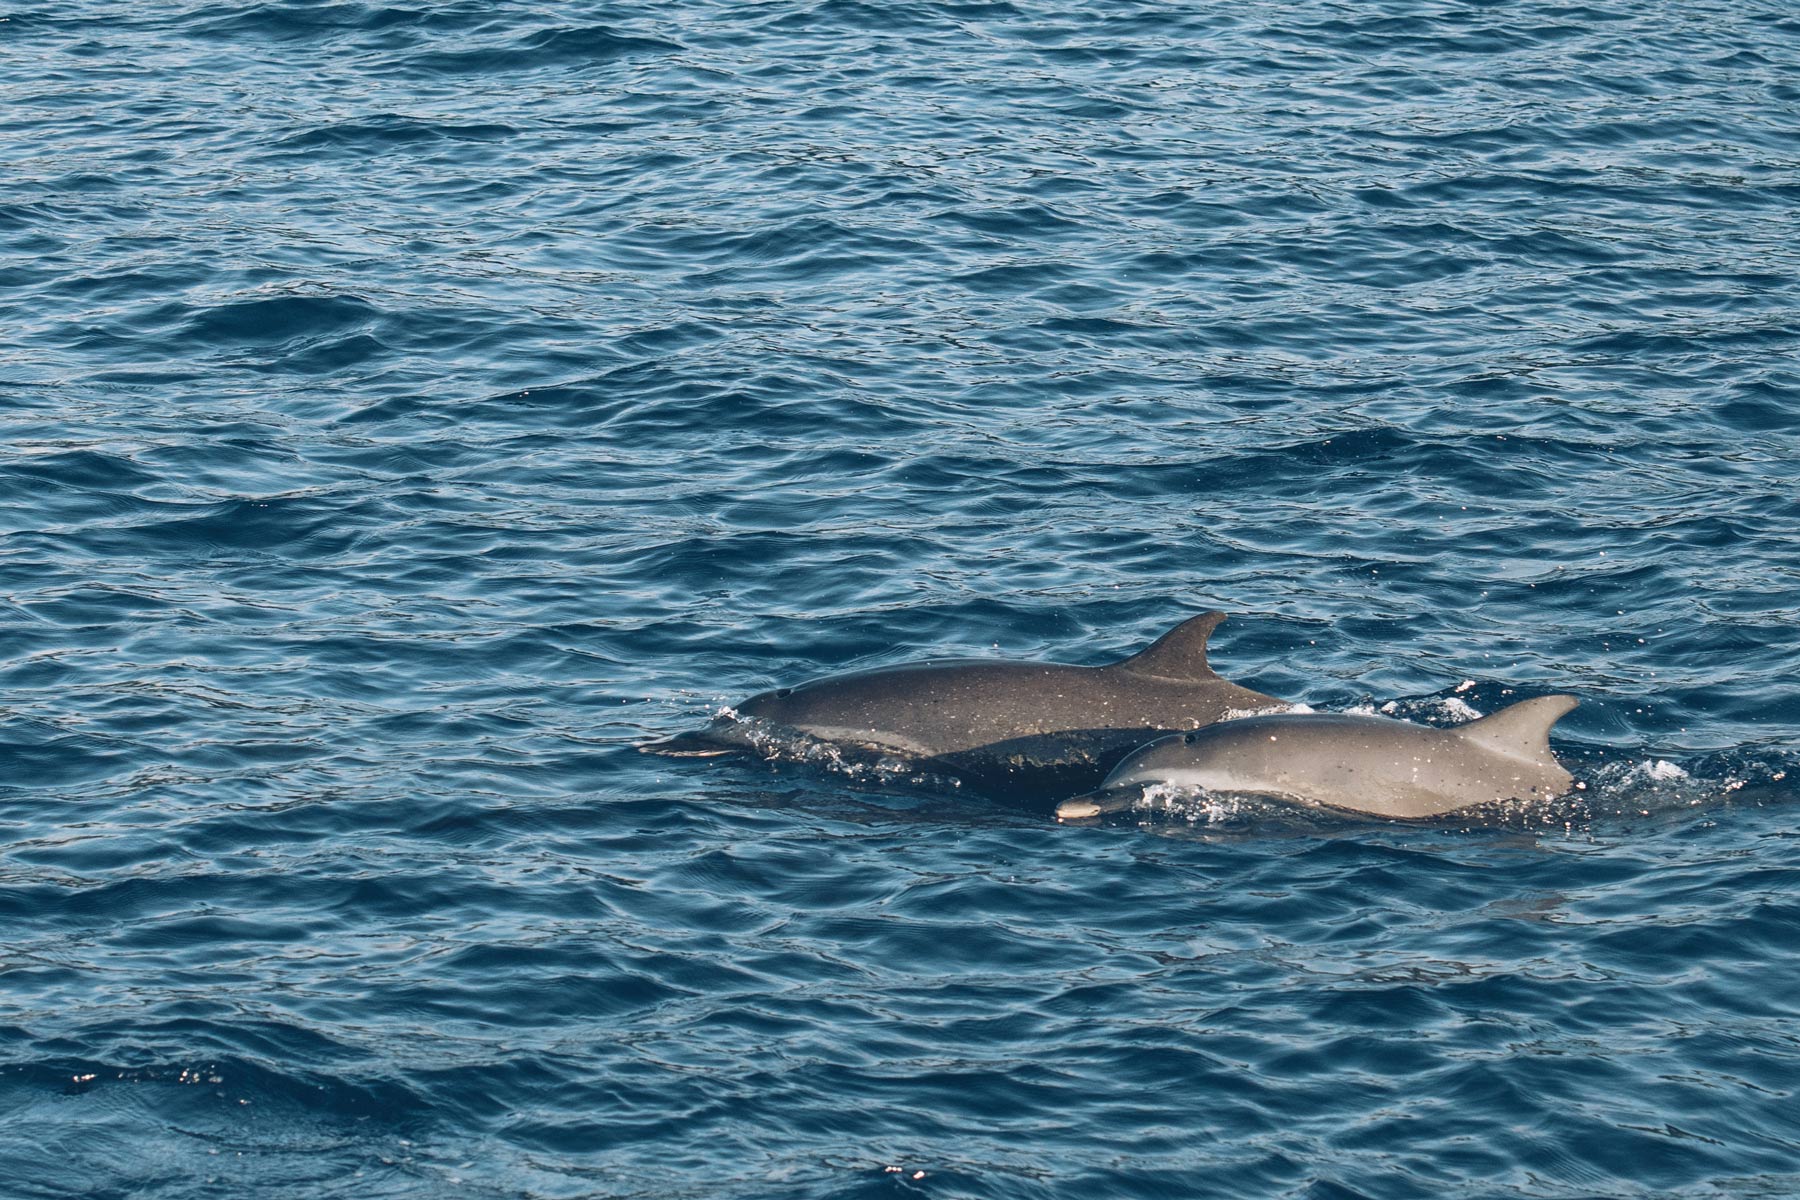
1028,730
1366,764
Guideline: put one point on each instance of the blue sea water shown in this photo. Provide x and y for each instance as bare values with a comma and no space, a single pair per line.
408,409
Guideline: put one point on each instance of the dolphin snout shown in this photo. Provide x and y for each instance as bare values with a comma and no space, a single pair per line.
1080,808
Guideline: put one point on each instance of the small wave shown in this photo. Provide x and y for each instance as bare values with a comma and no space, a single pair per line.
264,321
558,47
387,131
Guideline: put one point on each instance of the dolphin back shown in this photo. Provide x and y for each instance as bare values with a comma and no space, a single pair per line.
1361,763
1006,727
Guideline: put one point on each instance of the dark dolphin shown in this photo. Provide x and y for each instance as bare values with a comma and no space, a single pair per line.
1365,764
1022,730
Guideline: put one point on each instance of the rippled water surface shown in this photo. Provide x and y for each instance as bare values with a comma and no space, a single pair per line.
408,410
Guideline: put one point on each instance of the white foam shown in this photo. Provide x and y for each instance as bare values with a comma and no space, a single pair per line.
1238,714
1194,804
1657,770
1453,706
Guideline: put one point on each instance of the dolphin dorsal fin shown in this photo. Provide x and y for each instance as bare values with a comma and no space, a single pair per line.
1520,730
1179,653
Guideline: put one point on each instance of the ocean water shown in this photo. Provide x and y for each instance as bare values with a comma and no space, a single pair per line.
408,409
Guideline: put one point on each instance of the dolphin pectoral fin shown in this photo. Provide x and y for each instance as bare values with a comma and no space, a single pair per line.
1520,730
688,745
1179,653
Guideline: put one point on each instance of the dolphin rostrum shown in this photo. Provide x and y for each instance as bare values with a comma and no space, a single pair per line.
1366,764
1024,729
